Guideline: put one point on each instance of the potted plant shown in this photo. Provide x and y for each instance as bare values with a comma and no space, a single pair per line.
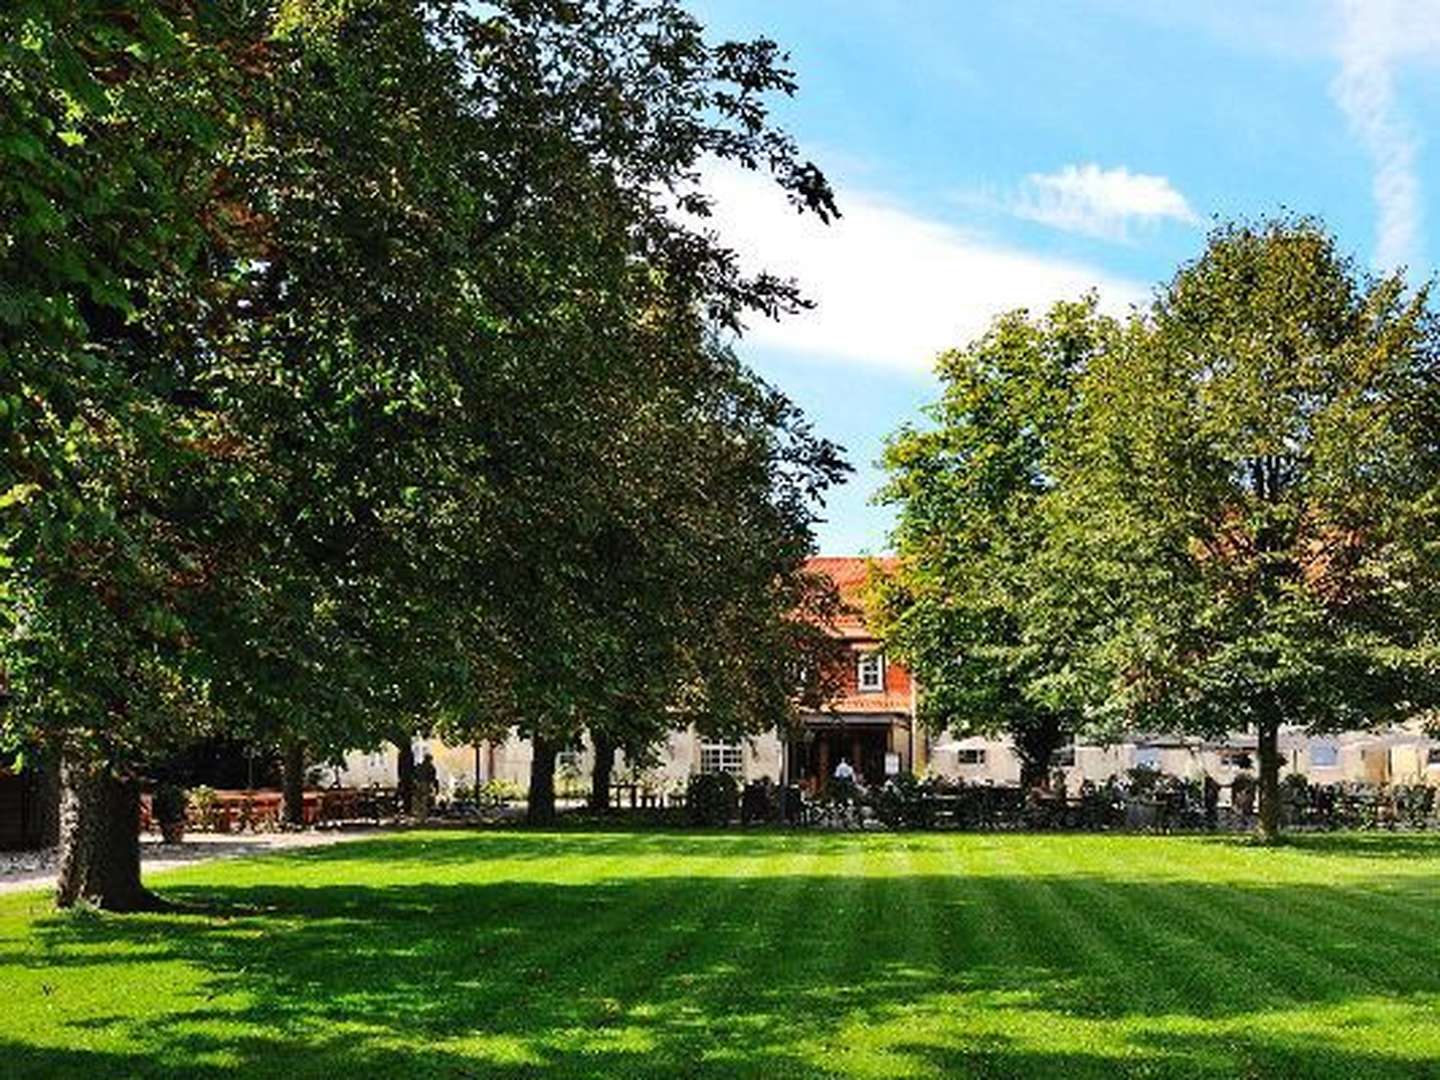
207,808
168,809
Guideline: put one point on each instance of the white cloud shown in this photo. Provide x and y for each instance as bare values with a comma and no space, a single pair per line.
1100,202
891,288
1373,35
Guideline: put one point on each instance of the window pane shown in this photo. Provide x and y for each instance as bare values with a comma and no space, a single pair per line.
871,671
722,757
1324,755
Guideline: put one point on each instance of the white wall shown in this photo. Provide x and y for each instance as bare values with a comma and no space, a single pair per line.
1399,756
455,765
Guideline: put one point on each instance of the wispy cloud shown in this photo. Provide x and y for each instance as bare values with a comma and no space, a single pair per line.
1100,202
1374,34
891,288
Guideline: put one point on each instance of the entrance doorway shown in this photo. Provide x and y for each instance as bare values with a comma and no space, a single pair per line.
864,746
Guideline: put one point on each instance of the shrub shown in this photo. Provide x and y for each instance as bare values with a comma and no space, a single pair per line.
569,780
794,798
490,795
1102,806
1294,798
169,803
1242,794
1142,780
760,802
499,792
905,802
167,806
712,799
206,806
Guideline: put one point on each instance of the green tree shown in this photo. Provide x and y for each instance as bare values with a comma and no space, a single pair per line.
965,606
330,335
599,467
117,485
1250,512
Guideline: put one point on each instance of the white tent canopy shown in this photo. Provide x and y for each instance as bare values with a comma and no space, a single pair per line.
948,744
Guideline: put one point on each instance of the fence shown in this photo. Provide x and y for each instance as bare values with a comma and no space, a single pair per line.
1147,802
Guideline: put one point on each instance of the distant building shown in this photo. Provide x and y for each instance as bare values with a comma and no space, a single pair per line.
872,725
1403,754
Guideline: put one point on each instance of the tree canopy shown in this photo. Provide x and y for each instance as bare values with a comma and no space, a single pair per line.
966,609
1260,461
1216,515
360,375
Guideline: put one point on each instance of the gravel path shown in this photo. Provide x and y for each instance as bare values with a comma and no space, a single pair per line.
21,870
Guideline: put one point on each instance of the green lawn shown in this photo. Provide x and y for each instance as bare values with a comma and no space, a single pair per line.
625,954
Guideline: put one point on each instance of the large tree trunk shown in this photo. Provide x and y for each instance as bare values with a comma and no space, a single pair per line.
1034,773
540,808
293,783
99,840
405,774
603,771
1035,744
1269,740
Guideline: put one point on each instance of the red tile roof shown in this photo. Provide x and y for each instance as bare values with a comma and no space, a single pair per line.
850,574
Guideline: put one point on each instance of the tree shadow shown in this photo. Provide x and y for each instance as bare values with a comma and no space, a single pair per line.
524,844
1367,845
784,974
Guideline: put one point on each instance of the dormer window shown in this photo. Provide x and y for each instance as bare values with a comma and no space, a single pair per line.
870,672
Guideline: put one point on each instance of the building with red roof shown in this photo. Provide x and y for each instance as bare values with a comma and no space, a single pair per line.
870,723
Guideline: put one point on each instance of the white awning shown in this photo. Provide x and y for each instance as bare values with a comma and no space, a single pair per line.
948,744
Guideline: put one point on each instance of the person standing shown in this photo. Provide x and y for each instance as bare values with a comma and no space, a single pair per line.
425,782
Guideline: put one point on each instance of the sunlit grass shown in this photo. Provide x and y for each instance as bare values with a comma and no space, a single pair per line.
624,954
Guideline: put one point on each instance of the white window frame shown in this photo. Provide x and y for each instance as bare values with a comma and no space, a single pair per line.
718,757
970,755
862,660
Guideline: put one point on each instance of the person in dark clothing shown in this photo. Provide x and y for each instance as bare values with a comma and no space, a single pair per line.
425,784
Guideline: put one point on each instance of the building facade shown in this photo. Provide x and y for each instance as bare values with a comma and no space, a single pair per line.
871,725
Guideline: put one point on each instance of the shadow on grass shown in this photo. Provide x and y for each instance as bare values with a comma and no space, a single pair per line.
519,843
773,974
1367,845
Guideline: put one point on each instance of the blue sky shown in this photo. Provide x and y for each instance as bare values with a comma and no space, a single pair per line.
990,155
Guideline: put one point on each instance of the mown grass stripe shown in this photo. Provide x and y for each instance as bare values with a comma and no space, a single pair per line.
756,954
